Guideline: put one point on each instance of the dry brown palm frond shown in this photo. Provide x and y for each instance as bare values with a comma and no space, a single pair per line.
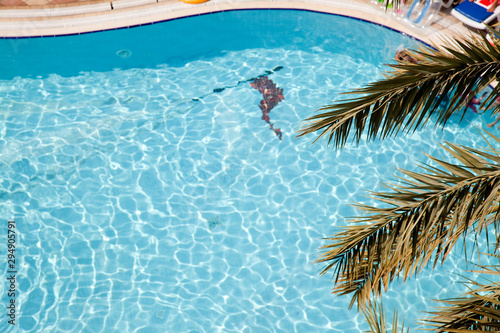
427,215
410,94
477,311
375,317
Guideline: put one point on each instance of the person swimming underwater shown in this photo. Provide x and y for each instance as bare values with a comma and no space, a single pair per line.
403,55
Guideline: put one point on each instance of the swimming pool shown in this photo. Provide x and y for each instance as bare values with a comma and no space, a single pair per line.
151,194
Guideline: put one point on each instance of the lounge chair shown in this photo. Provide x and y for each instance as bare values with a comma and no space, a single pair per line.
475,14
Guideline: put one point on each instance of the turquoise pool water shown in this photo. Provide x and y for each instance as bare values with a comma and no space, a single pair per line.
150,195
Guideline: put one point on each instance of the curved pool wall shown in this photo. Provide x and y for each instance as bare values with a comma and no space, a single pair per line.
177,41
155,197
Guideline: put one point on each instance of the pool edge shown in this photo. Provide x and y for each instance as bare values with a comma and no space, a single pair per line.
48,23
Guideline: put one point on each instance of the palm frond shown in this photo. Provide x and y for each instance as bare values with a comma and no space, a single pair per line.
443,81
424,217
375,317
477,311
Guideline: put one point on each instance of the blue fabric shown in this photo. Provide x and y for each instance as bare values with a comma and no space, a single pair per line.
473,11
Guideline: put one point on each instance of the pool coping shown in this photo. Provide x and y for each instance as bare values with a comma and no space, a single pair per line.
98,16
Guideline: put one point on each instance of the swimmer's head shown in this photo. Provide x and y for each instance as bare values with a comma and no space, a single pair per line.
404,56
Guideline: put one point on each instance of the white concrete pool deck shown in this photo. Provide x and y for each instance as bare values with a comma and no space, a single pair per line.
84,17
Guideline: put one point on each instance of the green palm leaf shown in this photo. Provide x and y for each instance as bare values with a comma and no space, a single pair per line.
411,93
425,215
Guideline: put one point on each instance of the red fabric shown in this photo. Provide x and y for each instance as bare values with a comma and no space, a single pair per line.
272,96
